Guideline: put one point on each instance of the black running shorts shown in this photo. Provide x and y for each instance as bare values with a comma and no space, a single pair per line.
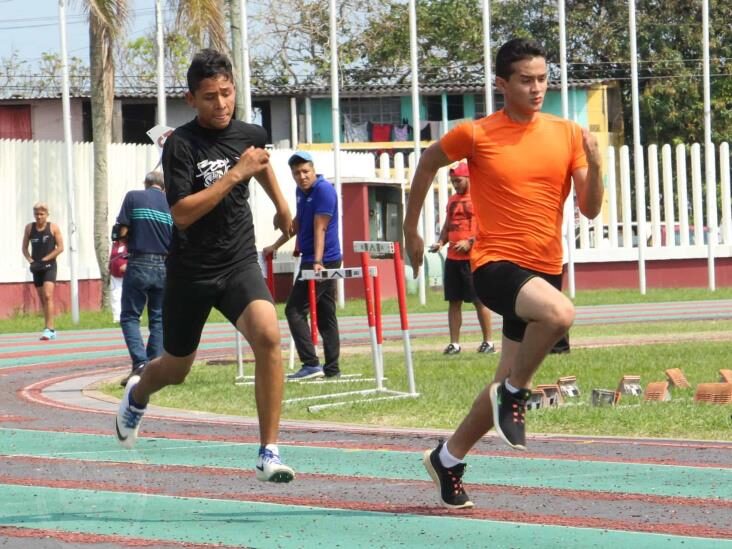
187,304
47,275
498,284
458,281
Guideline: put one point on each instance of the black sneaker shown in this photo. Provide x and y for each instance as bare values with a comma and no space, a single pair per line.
449,481
486,347
509,414
451,349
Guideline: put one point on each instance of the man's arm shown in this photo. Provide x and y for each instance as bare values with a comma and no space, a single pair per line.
442,239
320,226
588,181
193,207
431,160
283,217
269,250
26,241
59,244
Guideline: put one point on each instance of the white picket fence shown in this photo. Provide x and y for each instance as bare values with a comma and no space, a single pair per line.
686,215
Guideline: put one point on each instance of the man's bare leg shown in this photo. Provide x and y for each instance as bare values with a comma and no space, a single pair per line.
549,314
45,294
159,373
484,318
455,320
260,327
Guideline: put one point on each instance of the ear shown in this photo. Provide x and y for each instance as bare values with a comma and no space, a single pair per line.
501,83
190,100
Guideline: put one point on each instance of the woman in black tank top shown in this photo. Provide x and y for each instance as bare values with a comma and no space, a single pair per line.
46,243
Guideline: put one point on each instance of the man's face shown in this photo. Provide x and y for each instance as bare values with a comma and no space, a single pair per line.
304,175
525,89
214,102
40,216
460,183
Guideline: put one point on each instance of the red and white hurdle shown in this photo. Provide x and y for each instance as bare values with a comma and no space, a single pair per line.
372,293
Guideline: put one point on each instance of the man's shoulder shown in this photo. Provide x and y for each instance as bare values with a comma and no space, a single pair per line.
254,132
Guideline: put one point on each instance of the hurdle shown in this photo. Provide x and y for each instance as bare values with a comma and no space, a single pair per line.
372,292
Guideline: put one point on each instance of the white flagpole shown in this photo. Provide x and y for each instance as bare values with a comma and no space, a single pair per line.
488,70
637,153
569,204
416,128
245,71
69,165
336,128
159,40
709,167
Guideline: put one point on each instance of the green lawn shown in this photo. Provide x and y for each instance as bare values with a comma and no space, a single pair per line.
447,387
354,307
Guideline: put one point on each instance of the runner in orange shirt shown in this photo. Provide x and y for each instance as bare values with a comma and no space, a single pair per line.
521,163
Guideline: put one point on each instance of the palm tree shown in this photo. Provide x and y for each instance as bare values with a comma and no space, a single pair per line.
107,20
203,21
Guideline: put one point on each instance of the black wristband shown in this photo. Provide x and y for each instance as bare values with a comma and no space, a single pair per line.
317,262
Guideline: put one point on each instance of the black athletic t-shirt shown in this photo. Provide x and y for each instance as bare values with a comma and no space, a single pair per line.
193,159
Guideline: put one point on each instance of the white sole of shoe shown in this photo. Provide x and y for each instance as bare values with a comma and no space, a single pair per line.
283,475
427,462
307,377
493,392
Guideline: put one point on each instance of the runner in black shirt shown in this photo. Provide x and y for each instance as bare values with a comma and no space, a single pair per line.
213,261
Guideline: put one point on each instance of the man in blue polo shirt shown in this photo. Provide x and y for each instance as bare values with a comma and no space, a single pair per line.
146,222
316,223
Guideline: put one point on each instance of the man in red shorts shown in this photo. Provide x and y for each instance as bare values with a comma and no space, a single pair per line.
522,163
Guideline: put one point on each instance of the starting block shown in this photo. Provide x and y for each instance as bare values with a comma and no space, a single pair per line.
677,378
714,393
537,400
568,386
630,385
552,393
657,392
605,397
725,376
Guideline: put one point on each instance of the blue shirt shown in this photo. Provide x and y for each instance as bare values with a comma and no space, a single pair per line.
147,216
321,199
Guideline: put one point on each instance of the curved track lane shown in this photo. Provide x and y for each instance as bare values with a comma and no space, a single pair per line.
64,481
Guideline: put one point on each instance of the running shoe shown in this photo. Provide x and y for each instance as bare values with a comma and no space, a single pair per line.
486,347
271,469
127,422
451,349
136,371
449,482
307,372
48,335
509,414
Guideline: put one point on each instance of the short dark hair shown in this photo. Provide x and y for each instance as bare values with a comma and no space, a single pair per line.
208,63
514,50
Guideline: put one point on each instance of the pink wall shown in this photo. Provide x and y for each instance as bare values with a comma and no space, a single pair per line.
22,297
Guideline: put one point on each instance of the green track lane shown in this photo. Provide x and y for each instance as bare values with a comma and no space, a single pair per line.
658,480
250,524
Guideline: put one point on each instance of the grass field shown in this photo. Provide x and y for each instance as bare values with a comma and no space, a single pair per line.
448,385
103,319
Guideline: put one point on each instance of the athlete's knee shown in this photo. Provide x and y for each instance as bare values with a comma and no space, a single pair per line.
266,336
560,315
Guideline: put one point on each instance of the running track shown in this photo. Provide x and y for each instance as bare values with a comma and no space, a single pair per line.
64,481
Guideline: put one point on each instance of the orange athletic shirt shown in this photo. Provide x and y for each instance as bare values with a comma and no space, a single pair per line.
519,179
461,224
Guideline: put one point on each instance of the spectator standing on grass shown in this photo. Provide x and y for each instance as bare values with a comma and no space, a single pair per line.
46,244
317,235
213,261
146,224
522,164
459,233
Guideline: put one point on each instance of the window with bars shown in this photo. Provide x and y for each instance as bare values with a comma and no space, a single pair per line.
480,104
380,110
